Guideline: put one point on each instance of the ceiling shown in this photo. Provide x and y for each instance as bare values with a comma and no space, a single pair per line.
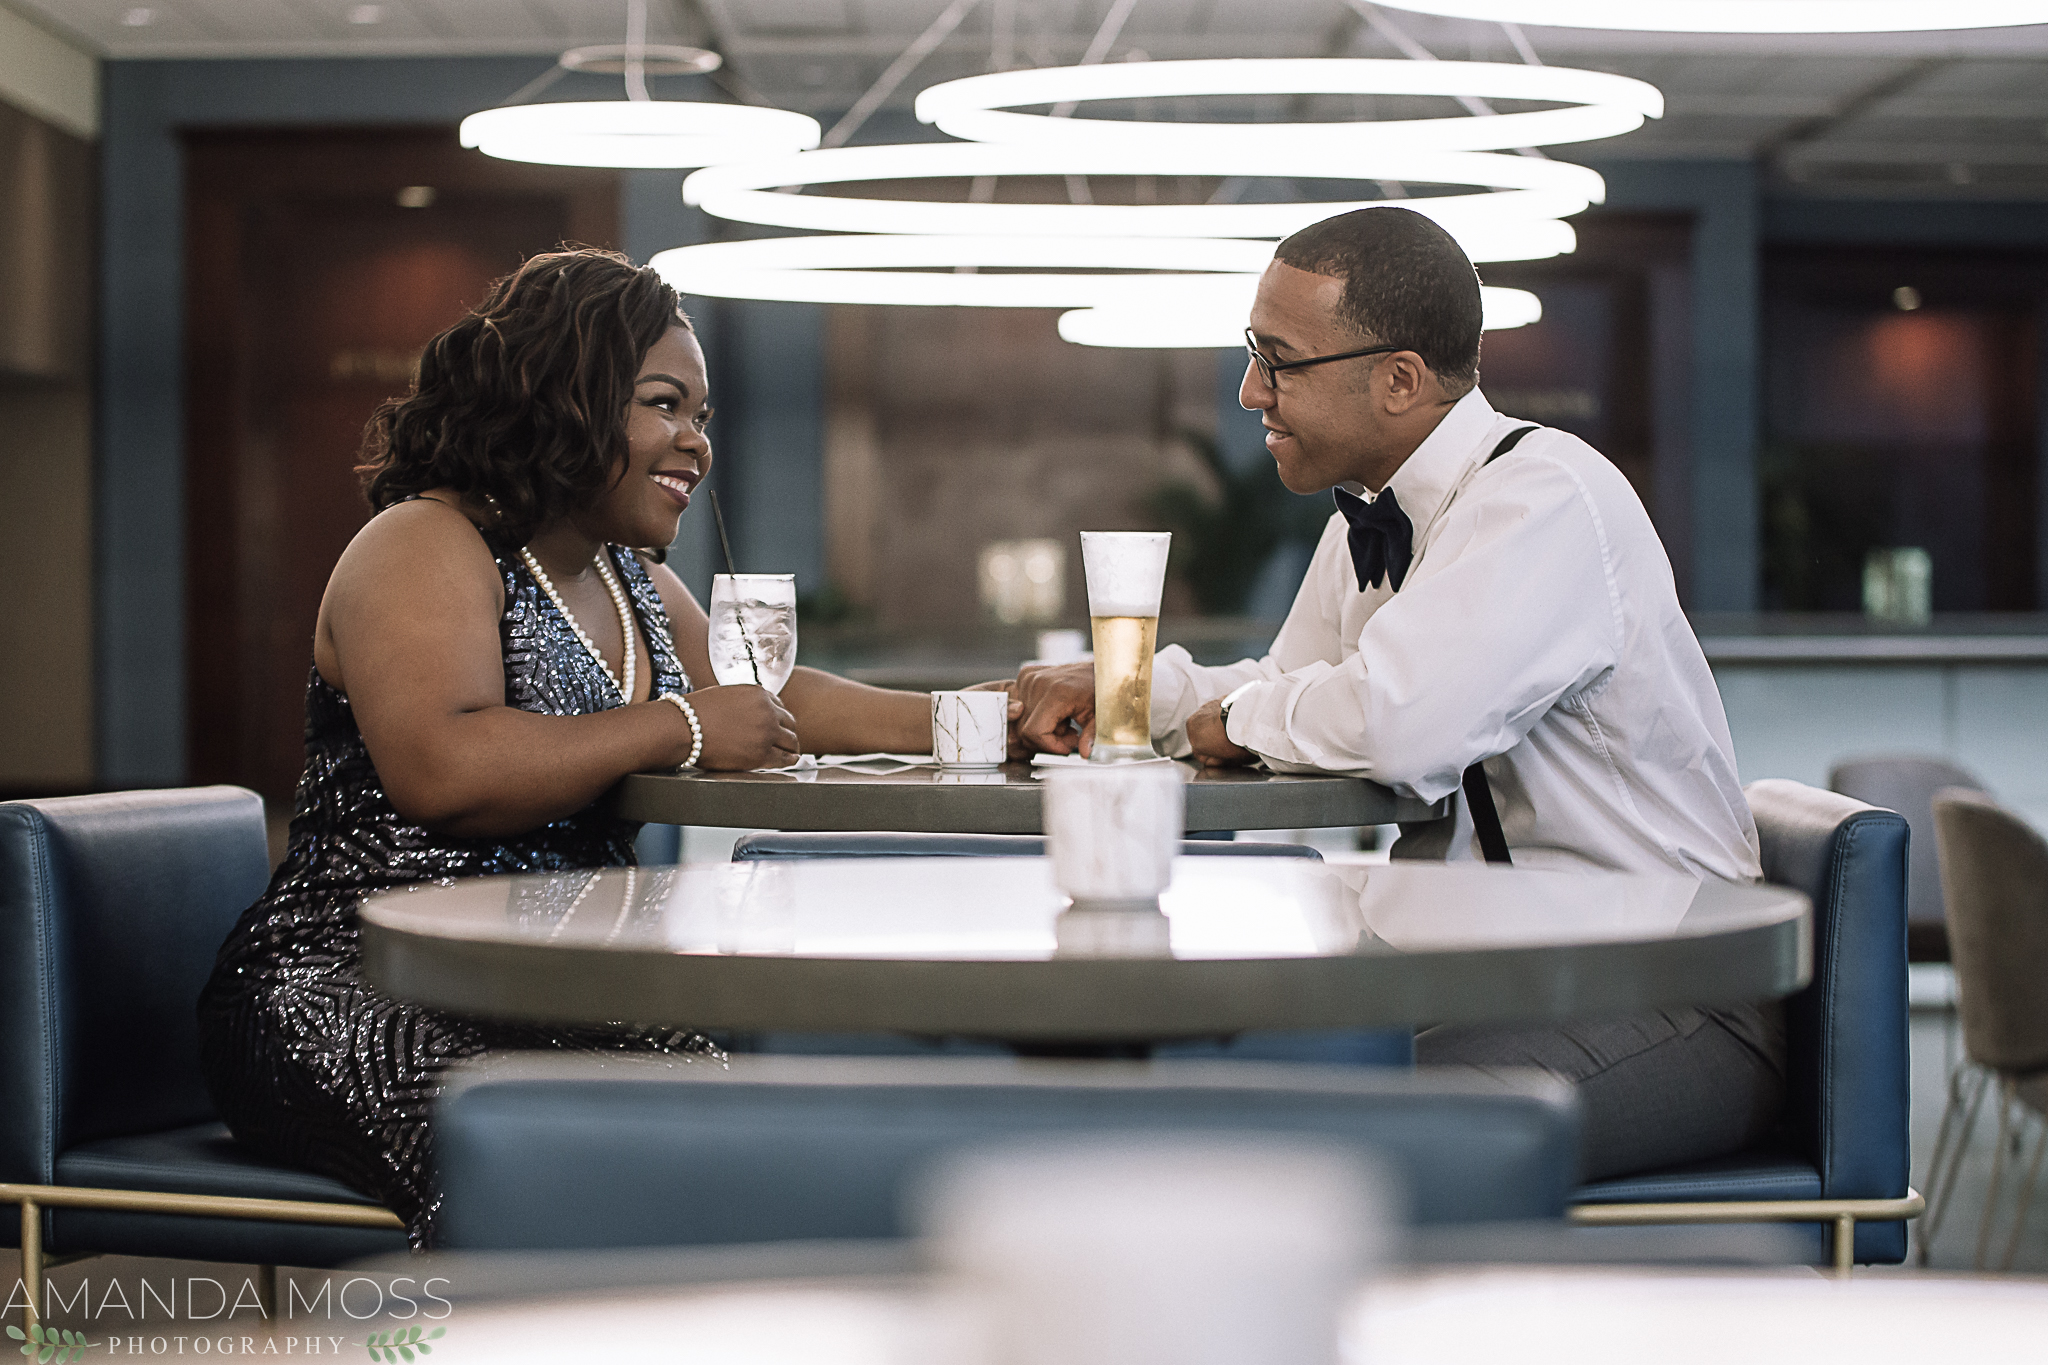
1952,115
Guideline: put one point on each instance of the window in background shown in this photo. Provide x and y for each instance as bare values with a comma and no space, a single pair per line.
1902,414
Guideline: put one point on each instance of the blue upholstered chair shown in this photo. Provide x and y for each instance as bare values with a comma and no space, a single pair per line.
665,1153
1842,1159
1328,1047
111,911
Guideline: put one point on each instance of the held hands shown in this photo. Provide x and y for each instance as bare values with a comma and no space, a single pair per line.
1211,745
744,727
1055,708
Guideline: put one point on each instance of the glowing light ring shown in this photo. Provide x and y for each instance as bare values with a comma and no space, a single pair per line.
1200,298
1609,105
1744,16
1173,326
642,134
1531,188
877,269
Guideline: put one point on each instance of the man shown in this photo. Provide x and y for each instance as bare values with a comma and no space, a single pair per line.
1489,593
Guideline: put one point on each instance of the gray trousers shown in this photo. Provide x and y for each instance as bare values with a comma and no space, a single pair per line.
1659,1089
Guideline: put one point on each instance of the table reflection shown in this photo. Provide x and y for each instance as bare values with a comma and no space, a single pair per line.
1006,909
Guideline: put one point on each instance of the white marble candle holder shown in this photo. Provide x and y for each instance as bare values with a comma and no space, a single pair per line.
1160,1249
970,729
1112,831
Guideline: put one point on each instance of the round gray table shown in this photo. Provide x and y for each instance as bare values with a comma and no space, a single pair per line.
1006,801
979,947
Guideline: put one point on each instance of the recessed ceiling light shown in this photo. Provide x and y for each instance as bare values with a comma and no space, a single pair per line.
366,14
417,197
138,18
1905,298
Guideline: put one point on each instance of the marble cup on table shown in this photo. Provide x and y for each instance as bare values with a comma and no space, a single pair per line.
1112,832
970,729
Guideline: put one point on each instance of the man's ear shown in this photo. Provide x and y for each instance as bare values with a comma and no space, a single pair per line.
1406,381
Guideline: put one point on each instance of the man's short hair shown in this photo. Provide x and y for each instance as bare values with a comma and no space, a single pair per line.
1406,282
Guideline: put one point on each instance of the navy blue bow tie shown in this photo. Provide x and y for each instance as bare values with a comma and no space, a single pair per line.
1382,538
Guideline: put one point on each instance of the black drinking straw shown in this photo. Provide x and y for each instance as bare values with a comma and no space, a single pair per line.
738,616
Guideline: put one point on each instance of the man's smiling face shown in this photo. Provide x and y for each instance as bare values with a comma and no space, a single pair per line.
1321,422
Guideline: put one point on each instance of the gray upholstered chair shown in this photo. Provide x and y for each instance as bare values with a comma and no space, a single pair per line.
653,1152
1995,873
1907,783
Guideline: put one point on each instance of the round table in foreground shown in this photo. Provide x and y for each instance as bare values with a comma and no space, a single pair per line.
979,947
1005,801
1430,1316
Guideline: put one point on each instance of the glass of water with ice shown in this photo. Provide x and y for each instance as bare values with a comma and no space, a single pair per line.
753,628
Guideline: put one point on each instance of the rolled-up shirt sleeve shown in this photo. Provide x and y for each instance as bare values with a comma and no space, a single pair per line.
1511,606
1180,686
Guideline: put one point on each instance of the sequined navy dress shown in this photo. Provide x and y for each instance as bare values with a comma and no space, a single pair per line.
308,1064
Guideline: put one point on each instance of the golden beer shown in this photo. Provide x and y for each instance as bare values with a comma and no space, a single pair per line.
1123,686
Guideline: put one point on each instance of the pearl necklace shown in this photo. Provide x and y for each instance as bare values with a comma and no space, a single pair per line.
618,595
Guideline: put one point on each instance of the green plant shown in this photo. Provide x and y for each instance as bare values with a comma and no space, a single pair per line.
50,1343
1222,539
405,1344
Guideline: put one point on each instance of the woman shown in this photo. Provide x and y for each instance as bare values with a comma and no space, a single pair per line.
489,659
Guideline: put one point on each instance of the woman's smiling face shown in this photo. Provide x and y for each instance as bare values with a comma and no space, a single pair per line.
667,452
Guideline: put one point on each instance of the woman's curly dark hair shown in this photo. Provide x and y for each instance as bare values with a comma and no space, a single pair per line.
524,400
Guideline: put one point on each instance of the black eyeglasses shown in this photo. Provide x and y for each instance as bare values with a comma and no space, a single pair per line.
1269,368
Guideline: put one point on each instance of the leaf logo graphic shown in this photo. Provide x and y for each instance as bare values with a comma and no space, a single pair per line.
45,1344
406,1344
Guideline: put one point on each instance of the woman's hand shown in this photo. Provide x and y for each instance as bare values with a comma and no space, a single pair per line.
744,727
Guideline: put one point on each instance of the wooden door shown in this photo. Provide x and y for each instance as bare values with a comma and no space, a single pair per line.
317,274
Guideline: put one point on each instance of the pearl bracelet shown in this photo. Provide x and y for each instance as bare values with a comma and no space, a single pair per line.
696,729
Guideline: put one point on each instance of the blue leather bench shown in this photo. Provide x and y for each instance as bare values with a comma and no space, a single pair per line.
539,1151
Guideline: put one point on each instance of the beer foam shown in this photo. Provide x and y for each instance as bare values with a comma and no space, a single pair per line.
1126,571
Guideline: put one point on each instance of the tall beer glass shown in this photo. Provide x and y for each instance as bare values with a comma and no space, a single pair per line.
1126,570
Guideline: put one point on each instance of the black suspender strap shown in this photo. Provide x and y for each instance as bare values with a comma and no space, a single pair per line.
1509,442
1478,791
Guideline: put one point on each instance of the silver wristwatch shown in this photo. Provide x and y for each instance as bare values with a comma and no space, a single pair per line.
1230,700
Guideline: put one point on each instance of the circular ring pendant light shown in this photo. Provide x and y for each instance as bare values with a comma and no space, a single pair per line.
638,132
1604,106
1183,274
1743,16
1192,292
1535,188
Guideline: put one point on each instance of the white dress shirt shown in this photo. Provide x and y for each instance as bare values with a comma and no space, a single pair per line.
1538,629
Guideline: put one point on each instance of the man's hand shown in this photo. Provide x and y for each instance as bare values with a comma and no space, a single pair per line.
1211,745
1058,701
